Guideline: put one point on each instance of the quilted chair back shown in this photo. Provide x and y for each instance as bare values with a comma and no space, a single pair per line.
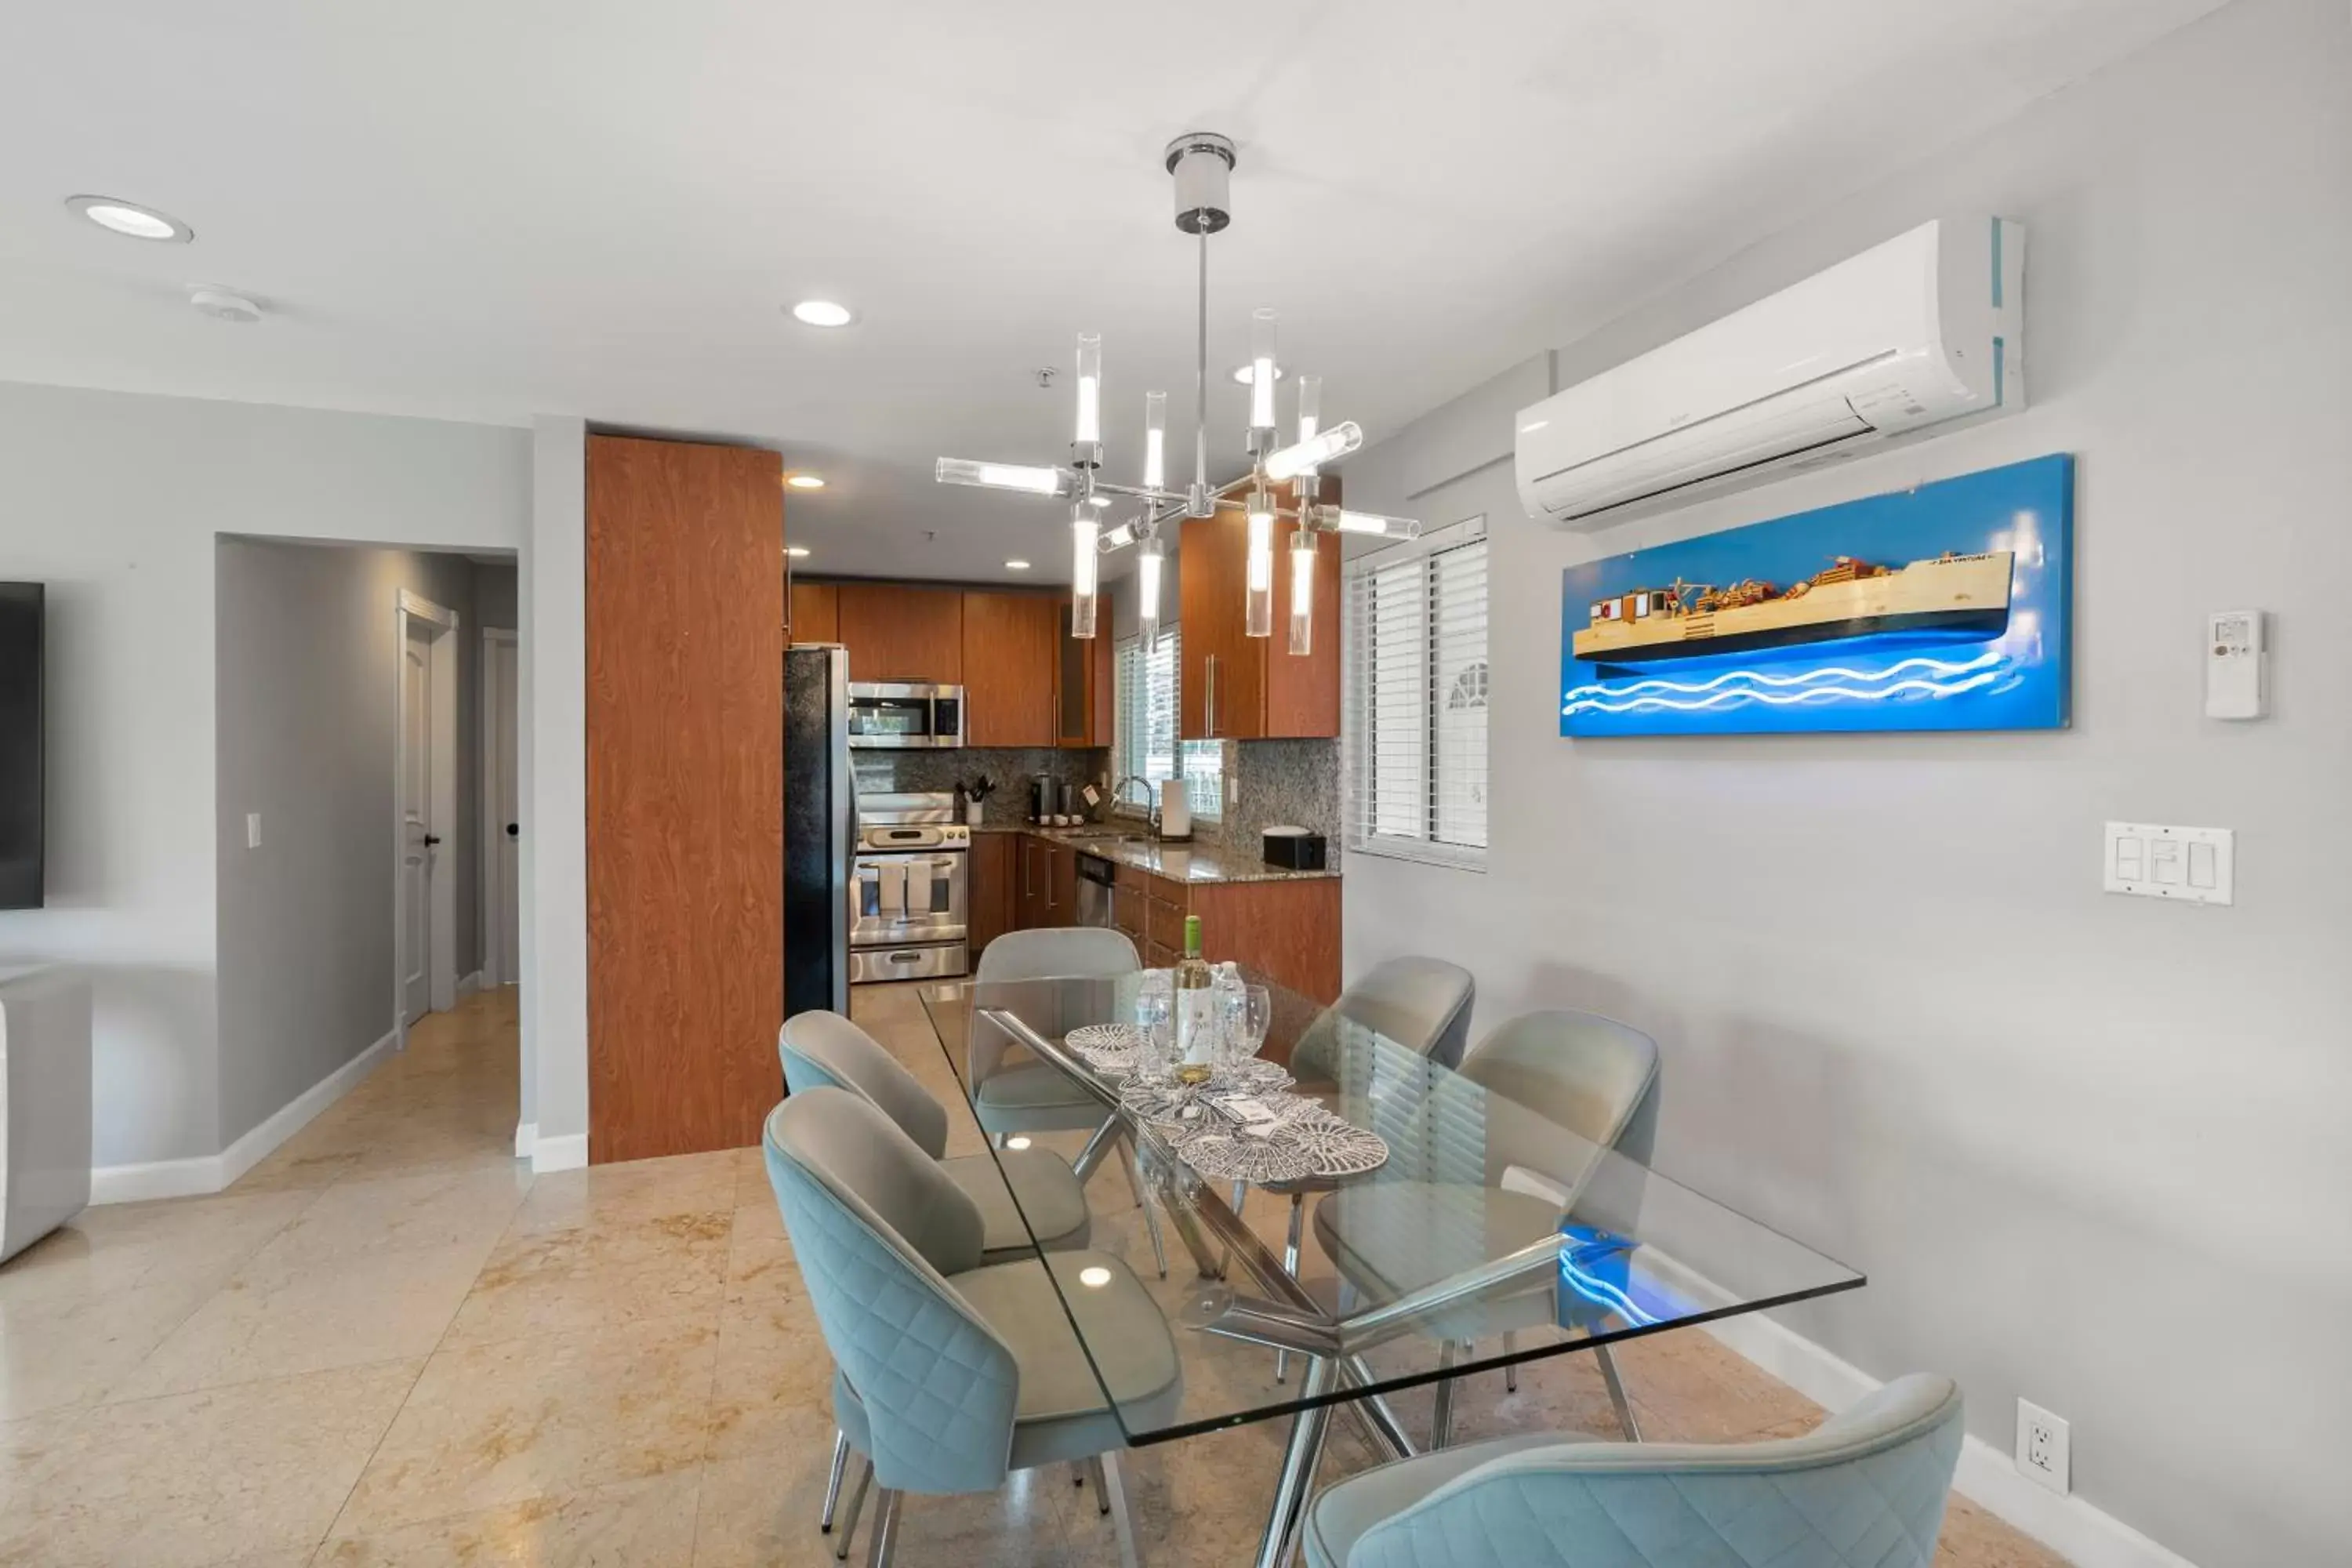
1590,1075
1864,1490
1421,1003
877,1229
1079,953
822,1050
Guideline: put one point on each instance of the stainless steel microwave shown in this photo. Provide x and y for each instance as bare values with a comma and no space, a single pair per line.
905,714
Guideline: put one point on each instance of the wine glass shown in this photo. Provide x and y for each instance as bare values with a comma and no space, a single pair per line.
1258,1017
1155,1021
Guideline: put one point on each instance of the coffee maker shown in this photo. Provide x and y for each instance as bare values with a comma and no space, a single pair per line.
1044,797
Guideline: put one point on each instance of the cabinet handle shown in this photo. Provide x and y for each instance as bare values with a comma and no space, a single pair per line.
1209,697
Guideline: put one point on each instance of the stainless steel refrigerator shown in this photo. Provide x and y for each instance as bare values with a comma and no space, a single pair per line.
820,829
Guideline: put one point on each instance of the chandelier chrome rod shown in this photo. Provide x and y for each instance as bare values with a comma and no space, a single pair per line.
1200,382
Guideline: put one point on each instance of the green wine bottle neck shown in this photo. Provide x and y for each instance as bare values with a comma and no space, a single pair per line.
1191,936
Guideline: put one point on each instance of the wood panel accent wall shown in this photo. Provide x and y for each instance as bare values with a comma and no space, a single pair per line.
685,937
898,632
817,613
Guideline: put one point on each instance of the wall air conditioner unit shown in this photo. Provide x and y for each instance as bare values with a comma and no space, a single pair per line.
1910,333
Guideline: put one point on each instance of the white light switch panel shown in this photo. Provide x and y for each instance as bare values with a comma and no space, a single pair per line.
2192,865
252,830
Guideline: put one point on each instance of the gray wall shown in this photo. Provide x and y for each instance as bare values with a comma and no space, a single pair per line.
2089,1150
114,500
307,670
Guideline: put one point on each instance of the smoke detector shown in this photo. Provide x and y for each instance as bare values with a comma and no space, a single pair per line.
222,304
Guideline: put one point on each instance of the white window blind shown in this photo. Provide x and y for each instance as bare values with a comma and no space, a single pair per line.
1146,743
1415,665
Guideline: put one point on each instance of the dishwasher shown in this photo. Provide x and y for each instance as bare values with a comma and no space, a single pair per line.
1097,878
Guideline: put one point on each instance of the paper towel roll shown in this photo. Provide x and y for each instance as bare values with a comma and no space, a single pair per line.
1175,811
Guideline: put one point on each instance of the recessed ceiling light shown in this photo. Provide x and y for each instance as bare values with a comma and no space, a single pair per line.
1017,566
1242,373
131,220
823,314
797,552
804,481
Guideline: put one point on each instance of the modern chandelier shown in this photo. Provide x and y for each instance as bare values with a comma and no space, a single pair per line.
1201,163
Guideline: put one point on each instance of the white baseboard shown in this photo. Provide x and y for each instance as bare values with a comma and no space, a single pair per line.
212,1173
526,1139
470,984
567,1152
2085,1535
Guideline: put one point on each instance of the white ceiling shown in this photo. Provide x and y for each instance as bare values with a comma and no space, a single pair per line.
484,211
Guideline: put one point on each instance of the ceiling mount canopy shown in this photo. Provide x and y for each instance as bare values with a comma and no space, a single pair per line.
1201,164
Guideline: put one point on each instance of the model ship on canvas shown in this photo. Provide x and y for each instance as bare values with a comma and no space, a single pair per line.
1962,596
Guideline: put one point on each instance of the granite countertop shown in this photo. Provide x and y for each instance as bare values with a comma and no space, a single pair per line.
1202,862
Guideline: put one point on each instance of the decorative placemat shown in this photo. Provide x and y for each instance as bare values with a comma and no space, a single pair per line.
1227,1156
1171,1103
1253,1076
1333,1146
1106,1048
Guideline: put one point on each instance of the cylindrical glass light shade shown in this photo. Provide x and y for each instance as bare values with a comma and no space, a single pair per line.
1148,564
1310,407
1155,440
1312,451
1373,522
1083,577
1262,361
1089,388
1003,476
1302,591
1257,606
1118,538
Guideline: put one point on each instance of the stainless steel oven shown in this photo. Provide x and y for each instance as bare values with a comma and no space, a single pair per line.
907,914
903,714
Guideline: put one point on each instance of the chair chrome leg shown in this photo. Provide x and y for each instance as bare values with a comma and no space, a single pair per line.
1441,1416
833,1482
1617,1393
1112,1478
1241,1197
1299,1460
1098,1145
1150,1214
1094,1467
856,1501
1379,1423
885,1543
1510,1374
996,1141
1290,1266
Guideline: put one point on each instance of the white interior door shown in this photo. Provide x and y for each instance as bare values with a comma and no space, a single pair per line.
504,825
416,837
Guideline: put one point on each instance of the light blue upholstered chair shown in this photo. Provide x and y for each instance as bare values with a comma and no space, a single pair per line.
1562,1092
1012,1095
1864,1490
950,1372
824,1049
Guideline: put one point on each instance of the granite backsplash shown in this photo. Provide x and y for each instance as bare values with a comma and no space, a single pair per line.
1294,781
1010,768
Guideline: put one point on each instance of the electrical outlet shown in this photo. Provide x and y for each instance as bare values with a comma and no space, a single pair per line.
2042,1450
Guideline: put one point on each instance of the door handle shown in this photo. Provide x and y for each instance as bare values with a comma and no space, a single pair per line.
514,830
431,840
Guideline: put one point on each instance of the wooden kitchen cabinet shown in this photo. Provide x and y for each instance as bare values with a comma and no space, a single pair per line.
989,888
896,631
1061,885
1231,686
1009,669
815,613
1030,878
1082,679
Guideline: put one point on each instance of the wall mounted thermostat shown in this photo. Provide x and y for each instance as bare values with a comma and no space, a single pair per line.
2237,665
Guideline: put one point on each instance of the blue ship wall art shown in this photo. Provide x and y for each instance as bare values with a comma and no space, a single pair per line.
1944,607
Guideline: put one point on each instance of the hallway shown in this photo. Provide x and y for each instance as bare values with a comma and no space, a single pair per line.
391,1346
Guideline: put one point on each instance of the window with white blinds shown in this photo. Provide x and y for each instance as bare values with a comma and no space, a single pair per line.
1415,746
1146,743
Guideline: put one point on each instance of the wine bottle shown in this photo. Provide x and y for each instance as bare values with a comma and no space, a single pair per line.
1196,1013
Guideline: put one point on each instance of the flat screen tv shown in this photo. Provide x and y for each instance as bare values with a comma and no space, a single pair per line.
20,746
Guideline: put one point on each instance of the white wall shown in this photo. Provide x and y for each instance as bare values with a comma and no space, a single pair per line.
554,783
2089,1150
114,500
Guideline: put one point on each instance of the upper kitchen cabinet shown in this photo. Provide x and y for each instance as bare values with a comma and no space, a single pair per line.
1082,679
898,632
815,612
1010,694
1235,687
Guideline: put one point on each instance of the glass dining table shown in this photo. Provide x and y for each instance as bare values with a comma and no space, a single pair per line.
1455,1229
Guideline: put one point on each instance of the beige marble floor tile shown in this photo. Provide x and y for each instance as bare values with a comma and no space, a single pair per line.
1687,1388
431,1209
57,1354
197,1479
1973,1537
772,1390
762,1513
286,1312
758,1218
646,1523
492,1424
116,1248
637,1190
590,1276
